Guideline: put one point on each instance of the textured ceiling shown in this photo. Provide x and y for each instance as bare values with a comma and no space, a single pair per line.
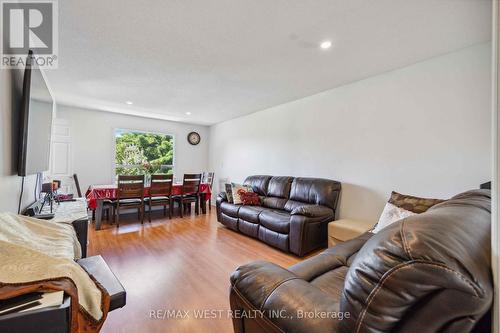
220,59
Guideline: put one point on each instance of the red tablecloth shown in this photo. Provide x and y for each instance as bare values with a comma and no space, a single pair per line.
109,192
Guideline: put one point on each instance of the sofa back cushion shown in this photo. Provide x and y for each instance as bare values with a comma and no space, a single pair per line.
278,192
433,267
259,183
315,191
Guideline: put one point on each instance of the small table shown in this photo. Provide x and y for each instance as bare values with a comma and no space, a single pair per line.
345,229
96,194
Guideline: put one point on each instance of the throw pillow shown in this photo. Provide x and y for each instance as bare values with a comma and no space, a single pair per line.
250,198
238,190
411,203
390,215
229,193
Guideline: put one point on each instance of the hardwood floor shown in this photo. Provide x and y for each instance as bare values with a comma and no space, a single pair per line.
179,264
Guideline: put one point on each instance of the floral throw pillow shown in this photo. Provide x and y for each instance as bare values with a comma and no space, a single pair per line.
238,190
250,198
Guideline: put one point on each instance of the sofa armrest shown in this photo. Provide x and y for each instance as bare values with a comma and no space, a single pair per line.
312,211
280,300
222,197
308,233
257,280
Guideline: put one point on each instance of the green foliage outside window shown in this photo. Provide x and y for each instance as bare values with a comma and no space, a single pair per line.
139,153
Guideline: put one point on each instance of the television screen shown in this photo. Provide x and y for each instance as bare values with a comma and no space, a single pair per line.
36,123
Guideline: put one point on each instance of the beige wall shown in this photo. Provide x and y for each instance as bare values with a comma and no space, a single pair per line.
422,130
92,135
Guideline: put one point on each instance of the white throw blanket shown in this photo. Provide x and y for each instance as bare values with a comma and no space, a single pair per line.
35,250
53,239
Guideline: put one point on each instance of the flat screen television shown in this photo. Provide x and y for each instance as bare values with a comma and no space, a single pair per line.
35,122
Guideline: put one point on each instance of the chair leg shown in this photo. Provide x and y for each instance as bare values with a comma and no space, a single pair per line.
93,214
181,207
142,214
164,210
197,206
170,208
210,204
149,215
118,216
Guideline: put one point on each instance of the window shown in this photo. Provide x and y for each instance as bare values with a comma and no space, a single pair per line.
143,153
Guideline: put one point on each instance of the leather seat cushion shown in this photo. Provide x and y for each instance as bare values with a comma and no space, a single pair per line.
259,183
274,238
332,282
129,201
250,213
248,228
159,198
230,209
276,220
229,221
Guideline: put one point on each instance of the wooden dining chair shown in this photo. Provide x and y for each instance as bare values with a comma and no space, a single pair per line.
190,193
108,206
130,194
208,178
160,194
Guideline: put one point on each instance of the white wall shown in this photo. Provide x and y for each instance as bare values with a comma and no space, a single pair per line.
92,136
10,104
422,130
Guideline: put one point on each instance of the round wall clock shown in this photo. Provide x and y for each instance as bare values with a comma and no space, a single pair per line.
194,138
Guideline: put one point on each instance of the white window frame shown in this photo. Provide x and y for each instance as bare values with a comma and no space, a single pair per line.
113,145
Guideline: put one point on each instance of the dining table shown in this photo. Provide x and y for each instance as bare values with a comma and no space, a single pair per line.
97,194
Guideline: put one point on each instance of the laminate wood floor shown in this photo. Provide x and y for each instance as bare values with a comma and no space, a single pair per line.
176,265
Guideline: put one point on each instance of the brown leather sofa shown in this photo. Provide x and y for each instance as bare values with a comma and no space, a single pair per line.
427,273
294,214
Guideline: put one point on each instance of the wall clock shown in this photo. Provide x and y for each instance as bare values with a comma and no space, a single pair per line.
194,138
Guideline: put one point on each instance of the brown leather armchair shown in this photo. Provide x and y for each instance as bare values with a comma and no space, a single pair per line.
427,273
294,215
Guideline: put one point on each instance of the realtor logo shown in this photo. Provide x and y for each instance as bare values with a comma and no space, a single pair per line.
29,25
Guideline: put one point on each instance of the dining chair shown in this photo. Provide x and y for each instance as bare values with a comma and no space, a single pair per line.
160,194
130,194
208,178
190,192
108,206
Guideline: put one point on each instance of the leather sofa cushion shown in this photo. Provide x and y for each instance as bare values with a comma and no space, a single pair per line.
248,228
341,255
332,282
279,187
273,238
251,213
276,220
230,222
274,203
258,183
230,209
316,191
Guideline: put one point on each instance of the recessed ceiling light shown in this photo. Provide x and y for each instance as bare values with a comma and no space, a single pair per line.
129,102
188,113
325,45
